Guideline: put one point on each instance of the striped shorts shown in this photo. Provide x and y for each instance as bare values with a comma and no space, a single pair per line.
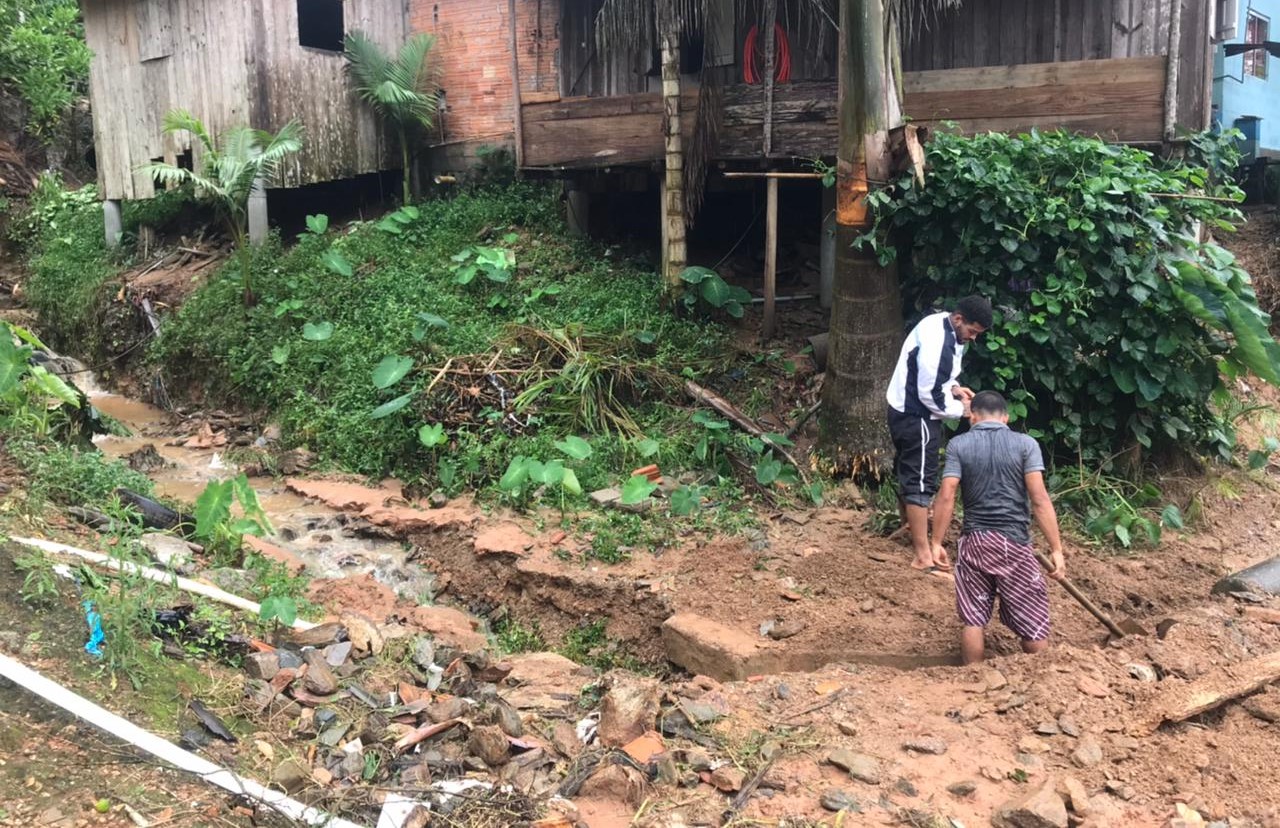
988,564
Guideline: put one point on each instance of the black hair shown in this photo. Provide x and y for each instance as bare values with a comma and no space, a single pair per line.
975,309
988,402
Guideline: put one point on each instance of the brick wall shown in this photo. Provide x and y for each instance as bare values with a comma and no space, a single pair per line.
474,55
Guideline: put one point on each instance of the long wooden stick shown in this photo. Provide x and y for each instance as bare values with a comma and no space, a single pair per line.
1215,689
768,325
744,795
742,421
1081,599
517,115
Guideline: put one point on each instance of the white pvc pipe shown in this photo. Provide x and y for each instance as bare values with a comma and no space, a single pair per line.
185,584
164,750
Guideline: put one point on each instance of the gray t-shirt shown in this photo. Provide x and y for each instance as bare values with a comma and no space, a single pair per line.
991,463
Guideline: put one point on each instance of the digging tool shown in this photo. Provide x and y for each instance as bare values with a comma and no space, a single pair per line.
1127,626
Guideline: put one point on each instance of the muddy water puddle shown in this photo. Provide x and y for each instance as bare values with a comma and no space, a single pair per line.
318,535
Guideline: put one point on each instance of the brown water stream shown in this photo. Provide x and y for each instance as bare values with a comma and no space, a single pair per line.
312,531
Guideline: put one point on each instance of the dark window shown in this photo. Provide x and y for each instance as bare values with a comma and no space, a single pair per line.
1256,30
320,24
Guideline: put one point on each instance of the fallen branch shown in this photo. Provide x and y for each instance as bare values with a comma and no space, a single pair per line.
167,752
813,708
731,412
804,418
1216,689
744,795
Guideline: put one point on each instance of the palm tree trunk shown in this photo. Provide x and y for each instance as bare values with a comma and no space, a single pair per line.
866,315
674,253
404,160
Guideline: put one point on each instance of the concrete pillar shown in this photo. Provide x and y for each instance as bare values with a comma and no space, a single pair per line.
827,248
578,207
112,224
258,213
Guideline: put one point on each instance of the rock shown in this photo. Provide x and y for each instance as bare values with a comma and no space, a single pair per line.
321,635
782,691
969,713
509,720
787,629
541,680
905,787
1041,807
838,800
1087,753
1264,706
291,777
703,645
606,497
1069,726
502,539
1030,744
926,744
1048,729
994,679
705,710
847,727
363,633
490,744
962,790
698,760
319,678
291,562
170,552
770,751
452,707
423,654
1075,794
352,764
565,740
1092,687
336,654
262,665
449,626
629,708
868,605
1142,672
1014,700
614,783
1120,790
728,779
437,499
1029,760
860,766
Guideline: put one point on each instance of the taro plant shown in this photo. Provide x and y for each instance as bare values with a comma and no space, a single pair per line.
231,168
217,527
494,263
709,291
32,398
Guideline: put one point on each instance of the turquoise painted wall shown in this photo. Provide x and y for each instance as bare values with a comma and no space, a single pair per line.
1254,96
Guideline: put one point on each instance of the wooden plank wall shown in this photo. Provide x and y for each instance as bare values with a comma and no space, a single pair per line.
1006,32
231,62
1119,99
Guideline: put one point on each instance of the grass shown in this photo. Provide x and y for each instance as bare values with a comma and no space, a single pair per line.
68,475
587,644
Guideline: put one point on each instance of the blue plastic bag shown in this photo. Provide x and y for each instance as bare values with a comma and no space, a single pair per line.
96,636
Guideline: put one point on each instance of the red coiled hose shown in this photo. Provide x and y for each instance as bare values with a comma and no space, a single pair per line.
753,54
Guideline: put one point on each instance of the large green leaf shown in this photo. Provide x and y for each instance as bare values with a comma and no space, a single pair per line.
13,362
213,508
318,224
575,447
48,384
715,291
637,489
391,370
390,407
317,331
336,262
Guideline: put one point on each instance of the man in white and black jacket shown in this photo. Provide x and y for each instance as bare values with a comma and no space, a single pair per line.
923,393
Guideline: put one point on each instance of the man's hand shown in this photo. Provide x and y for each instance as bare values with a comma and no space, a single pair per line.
963,394
940,557
1059,570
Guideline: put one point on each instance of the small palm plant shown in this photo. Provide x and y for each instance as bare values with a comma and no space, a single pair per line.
230,168
402,90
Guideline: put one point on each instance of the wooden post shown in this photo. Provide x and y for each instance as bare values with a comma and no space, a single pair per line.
517,117
770,16
769,324
258,211
112,224
674,251
1171,70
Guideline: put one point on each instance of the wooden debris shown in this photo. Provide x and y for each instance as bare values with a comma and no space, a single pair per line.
1216,689
732,413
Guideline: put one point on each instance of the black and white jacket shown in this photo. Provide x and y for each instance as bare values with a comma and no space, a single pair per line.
927,369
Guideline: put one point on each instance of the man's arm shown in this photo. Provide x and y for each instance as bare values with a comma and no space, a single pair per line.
944,504
1047,519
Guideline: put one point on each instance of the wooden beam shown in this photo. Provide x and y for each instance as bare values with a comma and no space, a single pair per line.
517,109
770,15
768,326
1171,75
1214,690
773,175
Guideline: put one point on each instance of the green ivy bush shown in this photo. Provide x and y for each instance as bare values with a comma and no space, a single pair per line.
44,58
1114,325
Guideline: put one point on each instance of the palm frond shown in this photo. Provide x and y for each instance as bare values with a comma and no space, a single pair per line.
179,120
402,89
367,67
416,55
170,176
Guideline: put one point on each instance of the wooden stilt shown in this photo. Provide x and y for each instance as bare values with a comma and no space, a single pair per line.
767,329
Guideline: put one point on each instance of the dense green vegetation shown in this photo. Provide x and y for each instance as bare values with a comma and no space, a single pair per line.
43,58
1115,327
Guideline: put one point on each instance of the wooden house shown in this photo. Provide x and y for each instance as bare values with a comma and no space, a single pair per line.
231,63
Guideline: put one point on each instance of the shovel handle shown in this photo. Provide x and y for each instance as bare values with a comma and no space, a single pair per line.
1080,598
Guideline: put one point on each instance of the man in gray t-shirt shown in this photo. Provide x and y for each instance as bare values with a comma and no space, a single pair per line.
998,472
